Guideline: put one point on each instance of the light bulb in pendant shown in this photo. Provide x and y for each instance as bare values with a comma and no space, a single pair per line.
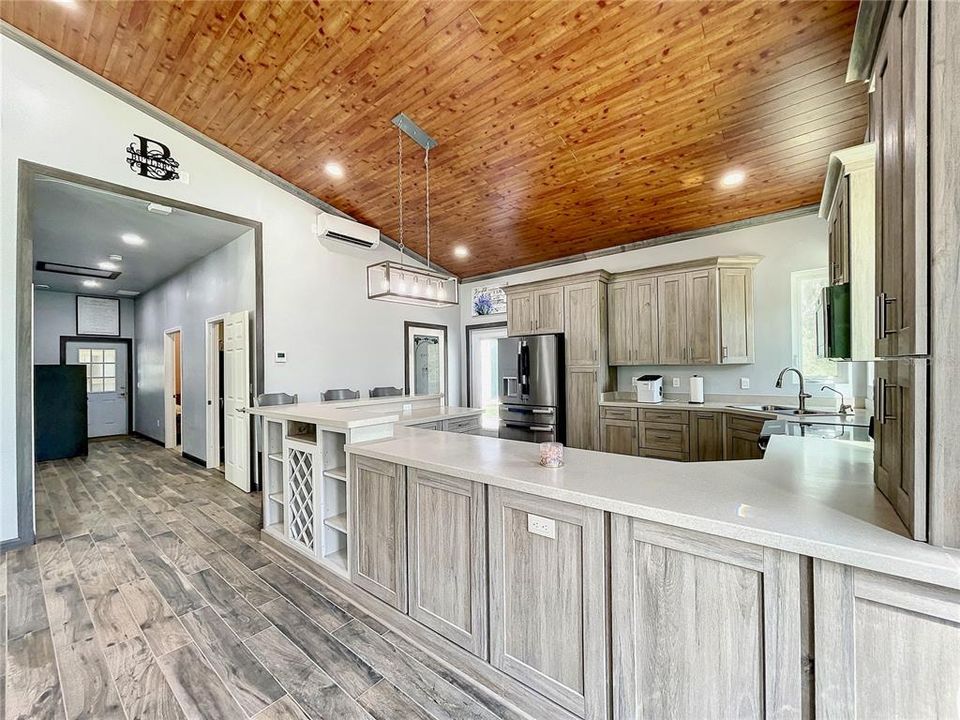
384,284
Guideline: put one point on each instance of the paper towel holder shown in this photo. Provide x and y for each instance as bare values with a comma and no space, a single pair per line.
696,390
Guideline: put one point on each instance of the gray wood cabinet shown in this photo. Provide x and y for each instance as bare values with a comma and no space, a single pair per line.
378,538
619,436
900,108
672,318
520,313
740,437
548,310
736,315
838,234
885,647
632,322
704,626
706,435
701,320
447,557
583,316
900,465
548,599
583,402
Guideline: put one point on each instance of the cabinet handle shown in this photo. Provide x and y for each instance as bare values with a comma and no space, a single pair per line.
880,401
723,352
881,315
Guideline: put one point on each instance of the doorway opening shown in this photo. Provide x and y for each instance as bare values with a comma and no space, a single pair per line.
215,400
172,390
482,371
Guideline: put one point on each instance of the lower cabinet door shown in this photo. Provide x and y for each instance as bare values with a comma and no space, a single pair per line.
548,599
447,557
706,436
619,436
885,647
378,538
703,626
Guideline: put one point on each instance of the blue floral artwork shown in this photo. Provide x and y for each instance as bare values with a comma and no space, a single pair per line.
489,301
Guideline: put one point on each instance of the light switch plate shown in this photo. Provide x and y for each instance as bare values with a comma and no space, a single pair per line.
744,383
184,177
542,526
676,382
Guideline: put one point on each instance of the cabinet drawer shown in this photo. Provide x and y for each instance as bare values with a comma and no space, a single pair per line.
429,426
746,423
665,436
663,416
618,413
462,425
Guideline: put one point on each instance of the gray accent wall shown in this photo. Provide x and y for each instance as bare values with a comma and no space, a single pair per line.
55,315
222,282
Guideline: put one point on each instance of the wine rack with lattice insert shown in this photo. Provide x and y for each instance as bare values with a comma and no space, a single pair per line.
301,490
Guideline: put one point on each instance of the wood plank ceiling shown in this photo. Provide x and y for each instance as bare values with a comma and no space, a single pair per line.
564,127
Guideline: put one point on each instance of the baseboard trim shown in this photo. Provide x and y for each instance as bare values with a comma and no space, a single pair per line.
15,543
141,436
454,658
194,459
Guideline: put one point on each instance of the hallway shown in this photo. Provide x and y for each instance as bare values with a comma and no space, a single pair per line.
148,596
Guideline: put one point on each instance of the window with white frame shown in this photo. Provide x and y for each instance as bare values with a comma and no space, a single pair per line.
101,369
805,292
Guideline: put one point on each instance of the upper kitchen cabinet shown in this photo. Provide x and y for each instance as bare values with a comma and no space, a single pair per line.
694,313
584,314
899,109
848,205
632,322
535,311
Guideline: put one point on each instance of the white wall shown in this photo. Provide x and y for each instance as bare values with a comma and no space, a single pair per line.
55,315
315,306
786,246
223,281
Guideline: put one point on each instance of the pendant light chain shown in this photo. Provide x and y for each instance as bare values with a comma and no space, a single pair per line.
400,185
426,161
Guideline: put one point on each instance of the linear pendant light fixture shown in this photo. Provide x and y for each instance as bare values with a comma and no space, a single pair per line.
396,281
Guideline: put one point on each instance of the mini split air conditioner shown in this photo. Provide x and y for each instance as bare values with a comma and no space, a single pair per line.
332,227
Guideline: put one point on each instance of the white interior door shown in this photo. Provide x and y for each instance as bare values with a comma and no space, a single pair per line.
106,385
236,393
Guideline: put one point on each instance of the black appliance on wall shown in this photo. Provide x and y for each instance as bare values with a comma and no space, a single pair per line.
531,388
59,411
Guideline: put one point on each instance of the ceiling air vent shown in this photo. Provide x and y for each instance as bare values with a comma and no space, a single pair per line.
64,269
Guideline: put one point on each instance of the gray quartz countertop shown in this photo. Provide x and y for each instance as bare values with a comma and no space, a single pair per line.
810,496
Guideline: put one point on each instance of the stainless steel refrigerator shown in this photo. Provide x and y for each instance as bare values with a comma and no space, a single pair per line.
531,388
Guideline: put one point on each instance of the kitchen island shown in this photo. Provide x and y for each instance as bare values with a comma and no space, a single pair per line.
305,467
632,587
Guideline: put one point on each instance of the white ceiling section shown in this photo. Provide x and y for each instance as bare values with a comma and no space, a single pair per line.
79,225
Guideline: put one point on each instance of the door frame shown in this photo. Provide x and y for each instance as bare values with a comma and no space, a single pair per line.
212,385
64,339
407,325
169,406
468,332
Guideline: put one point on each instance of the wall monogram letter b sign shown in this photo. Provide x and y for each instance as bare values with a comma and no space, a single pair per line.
151,159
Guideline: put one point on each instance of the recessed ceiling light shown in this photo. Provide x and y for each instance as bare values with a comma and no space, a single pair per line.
733,178
461,251
91,283
128,293
106,265
115,258
42,287
66,3
132,239
333,169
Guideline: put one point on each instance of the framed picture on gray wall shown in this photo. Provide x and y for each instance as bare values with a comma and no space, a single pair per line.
98,316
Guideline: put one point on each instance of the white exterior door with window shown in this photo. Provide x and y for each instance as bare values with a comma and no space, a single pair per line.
236,394
106,365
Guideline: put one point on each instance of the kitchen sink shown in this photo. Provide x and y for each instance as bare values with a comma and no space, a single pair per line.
785,410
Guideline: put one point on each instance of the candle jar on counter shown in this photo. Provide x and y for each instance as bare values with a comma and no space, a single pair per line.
551,454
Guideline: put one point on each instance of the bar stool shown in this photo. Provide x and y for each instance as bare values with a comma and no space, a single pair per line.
267,400
340,394
386,391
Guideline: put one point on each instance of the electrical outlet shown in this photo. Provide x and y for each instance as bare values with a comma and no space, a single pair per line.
676,382
542,526
744,383
158,422
184,177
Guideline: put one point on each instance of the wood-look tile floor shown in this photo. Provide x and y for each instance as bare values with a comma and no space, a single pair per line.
148,595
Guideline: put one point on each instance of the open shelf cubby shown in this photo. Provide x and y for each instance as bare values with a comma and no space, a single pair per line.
273,473
301,431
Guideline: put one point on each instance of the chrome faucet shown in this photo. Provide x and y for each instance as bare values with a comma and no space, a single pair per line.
803,394
844,408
